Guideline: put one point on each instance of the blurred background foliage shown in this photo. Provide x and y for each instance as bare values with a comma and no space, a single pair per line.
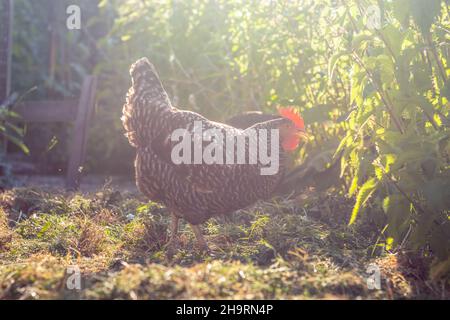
371,79
49,62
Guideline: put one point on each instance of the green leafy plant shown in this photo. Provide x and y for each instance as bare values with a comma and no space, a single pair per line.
396,148
9,130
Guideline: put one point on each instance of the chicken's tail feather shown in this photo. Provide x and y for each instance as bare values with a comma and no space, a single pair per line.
145,93
143,73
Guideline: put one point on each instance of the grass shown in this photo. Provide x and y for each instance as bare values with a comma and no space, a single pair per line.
287,249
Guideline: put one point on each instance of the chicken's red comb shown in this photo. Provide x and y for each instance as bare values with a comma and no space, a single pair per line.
291,114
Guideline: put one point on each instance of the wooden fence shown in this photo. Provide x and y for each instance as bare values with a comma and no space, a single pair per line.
79,112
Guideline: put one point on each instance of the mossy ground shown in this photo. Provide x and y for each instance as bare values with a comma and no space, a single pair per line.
287,249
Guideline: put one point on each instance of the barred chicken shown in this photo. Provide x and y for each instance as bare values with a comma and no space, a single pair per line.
192,190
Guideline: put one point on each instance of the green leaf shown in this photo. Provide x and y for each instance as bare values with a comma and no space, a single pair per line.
333,63
402,11
17,142
353,186
425,12
360,40
318,113
397,209
363,195
437,194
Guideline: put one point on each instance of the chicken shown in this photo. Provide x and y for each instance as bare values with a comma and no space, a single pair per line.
197,191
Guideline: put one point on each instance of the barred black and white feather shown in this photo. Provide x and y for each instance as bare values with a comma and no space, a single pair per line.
198,191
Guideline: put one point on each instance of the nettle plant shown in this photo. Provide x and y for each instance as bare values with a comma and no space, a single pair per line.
396,151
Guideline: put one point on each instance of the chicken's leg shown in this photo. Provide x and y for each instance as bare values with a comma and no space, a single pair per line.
174,228
171,245
203,246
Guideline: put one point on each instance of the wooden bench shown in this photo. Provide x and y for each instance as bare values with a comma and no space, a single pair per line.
79,112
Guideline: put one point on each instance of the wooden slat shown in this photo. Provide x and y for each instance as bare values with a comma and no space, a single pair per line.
47,111
77,111
80,131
